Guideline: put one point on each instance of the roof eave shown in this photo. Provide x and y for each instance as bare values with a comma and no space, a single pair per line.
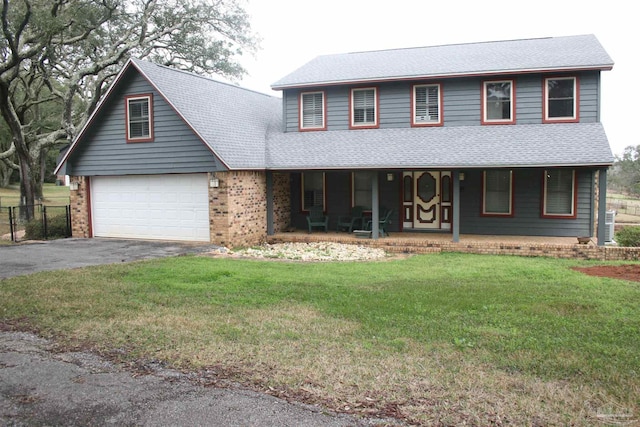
602,67
443,167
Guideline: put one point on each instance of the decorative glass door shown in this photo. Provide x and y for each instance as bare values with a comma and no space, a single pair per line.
426,200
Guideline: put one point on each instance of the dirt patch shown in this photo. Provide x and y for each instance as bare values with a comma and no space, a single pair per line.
623,272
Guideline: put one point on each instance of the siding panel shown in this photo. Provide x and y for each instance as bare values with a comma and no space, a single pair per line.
175,149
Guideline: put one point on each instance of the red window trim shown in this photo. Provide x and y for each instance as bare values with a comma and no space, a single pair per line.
324,112
574,215
127,98
511,199
483,104
376,125
440,121
576,100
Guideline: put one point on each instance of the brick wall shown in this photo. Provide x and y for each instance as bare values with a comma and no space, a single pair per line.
238,209
281,202
80,208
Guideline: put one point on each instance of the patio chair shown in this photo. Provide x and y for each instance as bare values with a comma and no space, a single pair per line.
317,218
384,222
349,222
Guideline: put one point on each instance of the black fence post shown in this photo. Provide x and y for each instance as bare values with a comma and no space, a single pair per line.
44,222
11,223
68,212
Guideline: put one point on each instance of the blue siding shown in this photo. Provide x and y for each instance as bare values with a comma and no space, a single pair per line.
527,218
461,101
104,150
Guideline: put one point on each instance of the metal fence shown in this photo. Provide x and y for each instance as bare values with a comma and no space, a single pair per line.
48,222
624,206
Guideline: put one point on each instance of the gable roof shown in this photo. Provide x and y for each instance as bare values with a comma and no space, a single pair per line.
582,52
231,121
561,144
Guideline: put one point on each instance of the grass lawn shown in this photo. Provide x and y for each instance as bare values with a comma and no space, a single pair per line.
439,339
54,195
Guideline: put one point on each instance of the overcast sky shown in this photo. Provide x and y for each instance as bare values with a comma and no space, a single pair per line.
295,31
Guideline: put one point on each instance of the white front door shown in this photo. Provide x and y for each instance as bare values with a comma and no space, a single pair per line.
427,200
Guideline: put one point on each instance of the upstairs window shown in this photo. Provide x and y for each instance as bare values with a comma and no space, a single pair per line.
427,105
498,102
561,99
497,196
312,111
139,118
312,190
559,193
364,106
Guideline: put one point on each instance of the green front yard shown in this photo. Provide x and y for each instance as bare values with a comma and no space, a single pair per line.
446,338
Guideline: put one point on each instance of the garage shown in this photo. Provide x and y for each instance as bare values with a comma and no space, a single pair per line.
158,207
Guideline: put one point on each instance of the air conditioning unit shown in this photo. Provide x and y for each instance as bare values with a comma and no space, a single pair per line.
609,226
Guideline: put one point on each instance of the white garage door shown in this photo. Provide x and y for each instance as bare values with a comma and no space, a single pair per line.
164,207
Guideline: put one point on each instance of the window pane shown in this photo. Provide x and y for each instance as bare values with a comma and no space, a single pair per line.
559,192
498,101
561,98
138,113
364,106
312,110
427,108
312,190
497,192
362,190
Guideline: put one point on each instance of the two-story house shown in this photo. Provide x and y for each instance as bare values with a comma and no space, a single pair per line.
498,138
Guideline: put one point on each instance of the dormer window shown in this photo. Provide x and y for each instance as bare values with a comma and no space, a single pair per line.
498,103
312,111
139,118
427,105
364,108
561,99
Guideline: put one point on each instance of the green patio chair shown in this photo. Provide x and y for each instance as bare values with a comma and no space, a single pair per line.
349,222
385,220
317,218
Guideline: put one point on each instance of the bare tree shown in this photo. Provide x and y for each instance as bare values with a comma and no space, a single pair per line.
59,57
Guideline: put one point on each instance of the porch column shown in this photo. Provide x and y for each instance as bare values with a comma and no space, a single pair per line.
269,179
375,208
455,226
602,204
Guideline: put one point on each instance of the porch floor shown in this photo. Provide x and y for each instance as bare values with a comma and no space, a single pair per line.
435,242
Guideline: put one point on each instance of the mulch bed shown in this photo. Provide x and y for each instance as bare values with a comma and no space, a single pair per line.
623,272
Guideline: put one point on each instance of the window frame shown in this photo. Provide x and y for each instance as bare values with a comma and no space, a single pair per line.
512,109
574,196
414,105
376,111
576,101
484,211
127,102
304,208
353,192
301,126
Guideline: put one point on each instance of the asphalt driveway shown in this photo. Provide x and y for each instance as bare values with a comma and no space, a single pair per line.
27,258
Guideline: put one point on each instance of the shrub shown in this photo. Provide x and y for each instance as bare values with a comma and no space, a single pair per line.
628,236
56,228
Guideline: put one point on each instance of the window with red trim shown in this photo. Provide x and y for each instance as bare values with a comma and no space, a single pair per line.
498,102
561,99
364,107
139,118
559,198
312,189
427,105
497,192
312,111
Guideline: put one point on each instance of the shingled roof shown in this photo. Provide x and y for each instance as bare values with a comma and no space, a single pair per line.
528,55
562,144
